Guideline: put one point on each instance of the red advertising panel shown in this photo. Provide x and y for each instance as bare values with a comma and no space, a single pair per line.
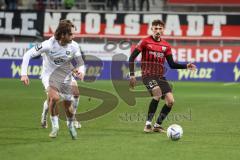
206,54
135,25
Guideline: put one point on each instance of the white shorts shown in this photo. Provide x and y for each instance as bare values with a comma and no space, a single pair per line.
64,89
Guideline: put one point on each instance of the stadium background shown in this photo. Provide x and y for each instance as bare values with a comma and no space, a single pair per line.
207,38
205,32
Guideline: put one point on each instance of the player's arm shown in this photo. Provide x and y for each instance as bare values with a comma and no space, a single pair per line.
132,57
33,52
78,64
174,65
82,53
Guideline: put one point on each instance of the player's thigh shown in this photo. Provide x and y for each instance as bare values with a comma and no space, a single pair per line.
169,99
156,92
164,86
53,93
152,86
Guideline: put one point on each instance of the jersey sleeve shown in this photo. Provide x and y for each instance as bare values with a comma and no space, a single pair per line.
77,60
168,50
35,51
141,45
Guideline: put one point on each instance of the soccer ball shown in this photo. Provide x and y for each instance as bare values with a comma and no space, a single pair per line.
174,132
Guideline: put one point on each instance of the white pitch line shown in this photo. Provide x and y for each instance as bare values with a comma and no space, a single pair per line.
230,83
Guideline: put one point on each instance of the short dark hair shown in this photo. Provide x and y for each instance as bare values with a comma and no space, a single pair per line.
158,22
64,27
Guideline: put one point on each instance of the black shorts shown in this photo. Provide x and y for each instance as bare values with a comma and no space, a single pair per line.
151,82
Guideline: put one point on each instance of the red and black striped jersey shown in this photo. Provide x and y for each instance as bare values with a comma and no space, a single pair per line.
153,56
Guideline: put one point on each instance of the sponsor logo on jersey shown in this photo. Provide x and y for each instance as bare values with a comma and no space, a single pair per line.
59,61
68,53
164,48
52,52
157,54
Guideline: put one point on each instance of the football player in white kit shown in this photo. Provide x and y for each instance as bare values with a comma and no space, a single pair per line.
75,101
62,57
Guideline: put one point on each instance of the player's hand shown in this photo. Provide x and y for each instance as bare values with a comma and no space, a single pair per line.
78,74
132,82
25,80
191,66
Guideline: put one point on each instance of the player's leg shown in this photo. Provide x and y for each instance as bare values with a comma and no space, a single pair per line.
70,118
169,101
53,98
156,93
45,82
44,114
66,92
75,102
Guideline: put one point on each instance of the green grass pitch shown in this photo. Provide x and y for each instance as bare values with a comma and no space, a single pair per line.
208,112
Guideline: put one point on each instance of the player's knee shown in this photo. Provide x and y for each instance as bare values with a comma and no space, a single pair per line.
76,94
170,103
157,97
156,93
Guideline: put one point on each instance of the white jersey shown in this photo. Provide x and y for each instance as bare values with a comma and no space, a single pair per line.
54,55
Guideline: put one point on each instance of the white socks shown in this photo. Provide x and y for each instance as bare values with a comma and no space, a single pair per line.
70,122
148,123
75,104
45,108
54,120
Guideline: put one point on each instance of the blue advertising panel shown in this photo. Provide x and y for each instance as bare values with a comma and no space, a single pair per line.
225,72
11,68
105,70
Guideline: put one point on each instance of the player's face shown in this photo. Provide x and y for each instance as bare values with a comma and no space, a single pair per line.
68,37
157,31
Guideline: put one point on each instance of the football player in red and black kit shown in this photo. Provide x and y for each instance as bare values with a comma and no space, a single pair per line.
154,52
